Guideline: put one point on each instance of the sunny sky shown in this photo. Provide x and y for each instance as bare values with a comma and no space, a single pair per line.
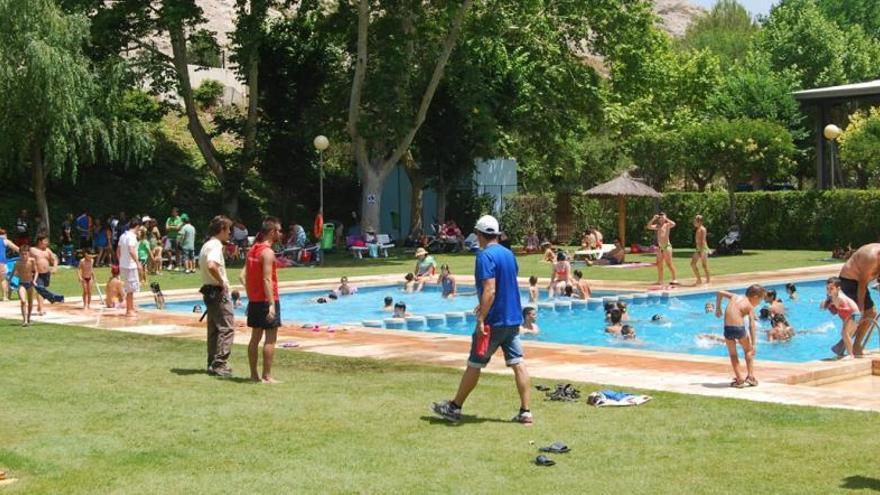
754,6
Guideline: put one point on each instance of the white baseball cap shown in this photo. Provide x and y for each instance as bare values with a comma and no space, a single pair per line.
146,219
487,224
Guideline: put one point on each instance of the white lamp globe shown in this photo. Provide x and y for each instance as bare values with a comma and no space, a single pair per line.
321,143
831,132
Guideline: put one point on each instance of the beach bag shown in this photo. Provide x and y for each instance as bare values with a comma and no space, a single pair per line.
374,250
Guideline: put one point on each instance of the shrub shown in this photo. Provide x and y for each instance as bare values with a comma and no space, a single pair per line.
524,213
208,94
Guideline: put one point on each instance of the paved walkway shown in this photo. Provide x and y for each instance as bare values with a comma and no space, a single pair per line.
783,383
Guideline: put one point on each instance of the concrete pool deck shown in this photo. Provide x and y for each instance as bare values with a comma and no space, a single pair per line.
817,383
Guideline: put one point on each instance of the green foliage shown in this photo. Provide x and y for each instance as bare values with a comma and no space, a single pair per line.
860,147
139,105
846,13
526,213
203,50
798,37
727,31
465,207
208,94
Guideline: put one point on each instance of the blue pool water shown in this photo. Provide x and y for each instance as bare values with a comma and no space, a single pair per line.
684,320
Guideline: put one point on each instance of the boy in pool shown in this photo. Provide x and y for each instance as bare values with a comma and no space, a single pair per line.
709,308
409,286
530,316
26,271
400,310
780,331
533,289
792,291
737,309
344,289
627,332
389,304
615,327
236,299
774,303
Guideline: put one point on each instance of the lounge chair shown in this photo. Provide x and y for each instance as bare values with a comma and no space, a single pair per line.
385,243
356,246
593,254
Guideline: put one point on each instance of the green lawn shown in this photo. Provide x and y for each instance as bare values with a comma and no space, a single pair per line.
86,411
337,265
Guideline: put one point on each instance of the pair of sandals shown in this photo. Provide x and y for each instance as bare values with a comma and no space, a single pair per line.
750,381
555,448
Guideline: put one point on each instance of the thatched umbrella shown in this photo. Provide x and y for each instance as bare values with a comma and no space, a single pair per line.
620,188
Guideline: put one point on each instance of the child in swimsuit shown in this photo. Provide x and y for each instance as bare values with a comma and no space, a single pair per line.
26,271
792,291
533,289
409,285
737,309
781,330
86,272
561,276
581,289
447,282
344,289
847,309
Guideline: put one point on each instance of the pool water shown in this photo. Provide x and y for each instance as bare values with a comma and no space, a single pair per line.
584,324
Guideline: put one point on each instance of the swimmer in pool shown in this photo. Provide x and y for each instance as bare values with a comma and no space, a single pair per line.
615,327
792,291
529,325
709,308
781,331
389,304
400,310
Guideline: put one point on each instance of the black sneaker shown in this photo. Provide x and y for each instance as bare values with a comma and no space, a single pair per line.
447,411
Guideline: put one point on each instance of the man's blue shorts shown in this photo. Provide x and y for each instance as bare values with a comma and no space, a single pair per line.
505,337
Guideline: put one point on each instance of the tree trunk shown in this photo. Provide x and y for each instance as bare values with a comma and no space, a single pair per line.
196,129
39,176
231,194
442,193
731,192
416,198
372,178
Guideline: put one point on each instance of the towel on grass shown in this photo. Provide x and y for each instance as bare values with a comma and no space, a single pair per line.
612,398
628,265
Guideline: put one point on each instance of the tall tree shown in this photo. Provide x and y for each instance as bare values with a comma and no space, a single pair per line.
846,13
142,26
727,30
56,113
860,147
382,122
798,37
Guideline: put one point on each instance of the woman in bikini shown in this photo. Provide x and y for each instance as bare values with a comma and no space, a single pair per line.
561,276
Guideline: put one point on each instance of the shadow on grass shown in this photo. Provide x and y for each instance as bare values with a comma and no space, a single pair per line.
434,420
190,372
861,483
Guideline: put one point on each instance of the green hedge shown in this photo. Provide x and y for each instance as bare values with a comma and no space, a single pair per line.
768,220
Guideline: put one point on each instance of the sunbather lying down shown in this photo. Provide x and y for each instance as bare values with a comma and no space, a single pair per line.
614,257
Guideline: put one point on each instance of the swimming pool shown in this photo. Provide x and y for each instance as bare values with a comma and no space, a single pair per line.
567,322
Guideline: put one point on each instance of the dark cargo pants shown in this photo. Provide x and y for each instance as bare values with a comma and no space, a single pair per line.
221,332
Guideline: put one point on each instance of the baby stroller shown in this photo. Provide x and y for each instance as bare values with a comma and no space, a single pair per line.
729,244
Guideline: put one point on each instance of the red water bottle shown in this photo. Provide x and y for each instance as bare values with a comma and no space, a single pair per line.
483,340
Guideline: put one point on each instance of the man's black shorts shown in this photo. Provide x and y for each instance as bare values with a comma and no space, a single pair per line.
257,315
850,287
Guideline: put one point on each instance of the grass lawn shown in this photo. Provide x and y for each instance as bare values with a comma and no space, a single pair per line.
86,411
337,265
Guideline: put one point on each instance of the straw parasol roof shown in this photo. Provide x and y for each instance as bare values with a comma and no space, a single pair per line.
621,187
624,186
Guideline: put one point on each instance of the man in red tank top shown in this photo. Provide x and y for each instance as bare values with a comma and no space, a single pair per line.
260,278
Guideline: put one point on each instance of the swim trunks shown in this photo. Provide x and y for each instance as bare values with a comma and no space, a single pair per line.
734,332
43,279
850,287
27,285
665,247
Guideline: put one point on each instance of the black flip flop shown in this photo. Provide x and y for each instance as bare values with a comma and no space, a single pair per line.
543,460
542,388
556,448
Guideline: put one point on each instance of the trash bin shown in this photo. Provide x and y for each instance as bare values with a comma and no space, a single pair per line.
328,237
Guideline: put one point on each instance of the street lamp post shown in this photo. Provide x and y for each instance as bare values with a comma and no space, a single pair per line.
831,133
321,143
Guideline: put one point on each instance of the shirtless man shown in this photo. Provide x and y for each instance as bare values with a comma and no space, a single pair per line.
860,269
662,225
26,271
702,250
47,264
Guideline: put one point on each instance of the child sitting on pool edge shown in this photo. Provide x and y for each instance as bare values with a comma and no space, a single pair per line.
409,286
737,309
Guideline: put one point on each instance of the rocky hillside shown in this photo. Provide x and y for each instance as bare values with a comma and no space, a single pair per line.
675,16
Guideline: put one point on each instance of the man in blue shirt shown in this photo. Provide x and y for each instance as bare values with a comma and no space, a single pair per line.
499,308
